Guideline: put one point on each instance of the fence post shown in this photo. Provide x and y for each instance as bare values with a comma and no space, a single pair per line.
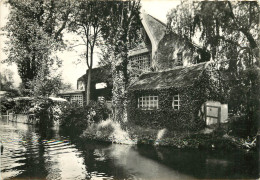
205,112
219,116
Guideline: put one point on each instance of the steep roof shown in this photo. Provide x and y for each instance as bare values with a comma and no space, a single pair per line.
177,77
155,26
98,74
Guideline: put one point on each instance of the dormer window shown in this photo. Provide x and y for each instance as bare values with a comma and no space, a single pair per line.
179,59
81,85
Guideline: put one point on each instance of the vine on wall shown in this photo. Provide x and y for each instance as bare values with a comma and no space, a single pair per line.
187,117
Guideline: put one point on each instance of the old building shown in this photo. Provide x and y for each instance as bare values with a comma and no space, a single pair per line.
101,83
100,87
173,80
73,96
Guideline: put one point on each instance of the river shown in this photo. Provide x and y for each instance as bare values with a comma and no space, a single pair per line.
31,154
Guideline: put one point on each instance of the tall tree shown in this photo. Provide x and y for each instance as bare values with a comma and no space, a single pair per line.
120,32
87,21
34,30
228,29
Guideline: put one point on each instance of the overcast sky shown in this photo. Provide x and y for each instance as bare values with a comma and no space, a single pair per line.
71,70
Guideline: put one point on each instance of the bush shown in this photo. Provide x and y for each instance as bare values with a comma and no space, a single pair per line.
99,132
6,105
242,126
77,118
42,110
22,106
74,117
100,109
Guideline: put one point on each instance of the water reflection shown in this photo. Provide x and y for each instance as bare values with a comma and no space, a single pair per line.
140,166
30,153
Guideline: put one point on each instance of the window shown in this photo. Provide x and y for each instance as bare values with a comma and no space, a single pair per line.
148,102
141,61
179,59
81,85
176,102
77,98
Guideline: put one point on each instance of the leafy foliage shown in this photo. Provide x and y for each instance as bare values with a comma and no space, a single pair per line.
34,31
49,86
6,104
6,80
43,111
120,32
228,29
77,118
87,19
6,83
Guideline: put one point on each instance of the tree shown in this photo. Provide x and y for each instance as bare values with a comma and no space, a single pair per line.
120,32
34,31
7,83
229,30
87,22
6,80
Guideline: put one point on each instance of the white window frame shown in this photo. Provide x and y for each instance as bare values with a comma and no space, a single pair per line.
77,99
148,102
176,102
141,61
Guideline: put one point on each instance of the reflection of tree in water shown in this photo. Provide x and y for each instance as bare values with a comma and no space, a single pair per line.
204,164
97,161
34,162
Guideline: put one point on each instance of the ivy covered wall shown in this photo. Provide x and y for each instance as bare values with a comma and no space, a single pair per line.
186,118
172,44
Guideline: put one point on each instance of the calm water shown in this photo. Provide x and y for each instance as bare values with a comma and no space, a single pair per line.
30,154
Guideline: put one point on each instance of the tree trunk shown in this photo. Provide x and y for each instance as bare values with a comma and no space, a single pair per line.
88,87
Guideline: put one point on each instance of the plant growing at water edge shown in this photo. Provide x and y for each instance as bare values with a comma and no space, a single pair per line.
77,118
120,32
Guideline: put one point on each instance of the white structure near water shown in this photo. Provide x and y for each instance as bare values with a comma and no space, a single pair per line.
215,112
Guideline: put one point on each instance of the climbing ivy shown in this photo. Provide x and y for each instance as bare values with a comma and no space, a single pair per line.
187,117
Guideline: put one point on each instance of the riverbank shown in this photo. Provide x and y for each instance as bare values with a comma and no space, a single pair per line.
209,139
31,153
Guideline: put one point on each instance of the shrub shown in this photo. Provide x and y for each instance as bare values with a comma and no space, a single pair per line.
241,126
22,106
6,104
101,111
42,110
74,117
77,118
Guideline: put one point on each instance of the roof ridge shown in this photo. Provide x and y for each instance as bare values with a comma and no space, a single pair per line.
157,20
177,67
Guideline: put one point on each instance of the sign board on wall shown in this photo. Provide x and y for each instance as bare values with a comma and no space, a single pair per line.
101,85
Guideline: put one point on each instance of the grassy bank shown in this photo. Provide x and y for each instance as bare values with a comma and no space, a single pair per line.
209,139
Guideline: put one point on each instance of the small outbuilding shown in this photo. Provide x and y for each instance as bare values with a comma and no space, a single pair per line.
173,98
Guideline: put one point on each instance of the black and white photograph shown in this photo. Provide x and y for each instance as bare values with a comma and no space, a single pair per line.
129,89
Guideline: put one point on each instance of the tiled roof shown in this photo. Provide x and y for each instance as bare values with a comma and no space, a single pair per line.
98,75
177,77
71,92
155,26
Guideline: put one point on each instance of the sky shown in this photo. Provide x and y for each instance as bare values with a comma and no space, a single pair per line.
72,68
